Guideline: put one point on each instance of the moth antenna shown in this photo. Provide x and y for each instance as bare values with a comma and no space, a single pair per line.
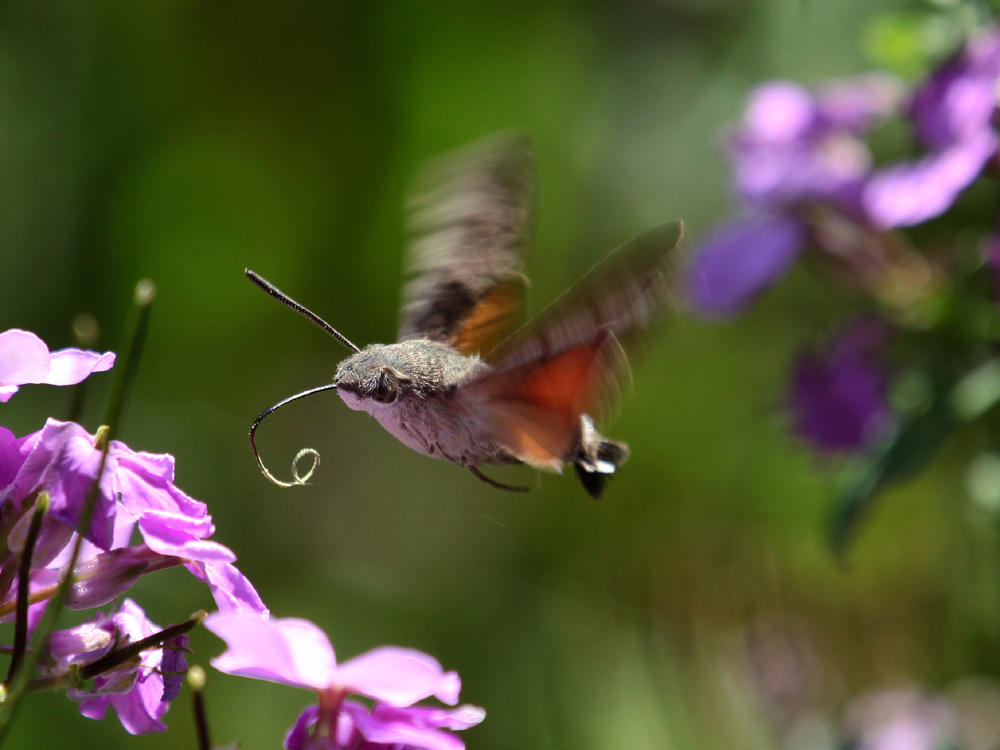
296,478
284,299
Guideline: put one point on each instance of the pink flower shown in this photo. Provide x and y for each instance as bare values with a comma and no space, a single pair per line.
136,490
135,689
297,653
24,358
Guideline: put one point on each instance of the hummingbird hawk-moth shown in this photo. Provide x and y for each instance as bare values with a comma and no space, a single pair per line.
463,383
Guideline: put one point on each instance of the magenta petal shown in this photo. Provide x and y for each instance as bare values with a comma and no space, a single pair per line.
290,651
298,735
172,534
398,676
462,717
146,483
141,709
95,708
24,358
70,366
385,731
232,591
909,194
6,391
65,463
11,458
779,111
739,261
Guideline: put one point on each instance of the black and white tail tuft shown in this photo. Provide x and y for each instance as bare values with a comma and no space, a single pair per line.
596,458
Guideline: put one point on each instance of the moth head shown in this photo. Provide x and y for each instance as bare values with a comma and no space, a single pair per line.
372,376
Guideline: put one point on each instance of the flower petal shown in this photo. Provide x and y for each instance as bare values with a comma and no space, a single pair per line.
64,462
70,366
462,717
909,194
141,709
298,735
232,591
838,396
740,260
290,651
398,676
180,536
779,111
24,358
398,732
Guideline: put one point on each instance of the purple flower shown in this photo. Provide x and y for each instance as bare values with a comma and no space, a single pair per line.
296,652
793,150
385,727
900,720
740,260
83,644
952,113
838,395
174,667
136,490
134,689
24,358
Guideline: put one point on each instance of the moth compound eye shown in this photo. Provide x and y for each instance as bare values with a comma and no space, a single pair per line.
385,390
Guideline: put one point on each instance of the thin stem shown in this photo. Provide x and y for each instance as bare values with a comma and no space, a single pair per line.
24,586
16,688
86,331
77,402
57,682
196,680
145,292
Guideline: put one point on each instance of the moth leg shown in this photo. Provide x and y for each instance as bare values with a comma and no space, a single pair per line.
495,483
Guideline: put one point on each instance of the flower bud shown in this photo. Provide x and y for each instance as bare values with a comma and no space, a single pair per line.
173,667
83,644
106,576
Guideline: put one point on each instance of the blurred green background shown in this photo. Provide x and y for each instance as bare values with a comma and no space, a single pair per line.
185,140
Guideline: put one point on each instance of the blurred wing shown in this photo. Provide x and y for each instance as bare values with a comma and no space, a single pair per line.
569,360
471,218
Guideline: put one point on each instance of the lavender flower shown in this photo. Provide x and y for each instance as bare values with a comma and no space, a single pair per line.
384,727
136,490
838,395
792,151
296,652
952,113
24,358
134,689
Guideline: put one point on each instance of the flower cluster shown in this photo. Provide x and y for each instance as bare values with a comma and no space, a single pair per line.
297,653
136,689
132,491
806,181
72,499
801,163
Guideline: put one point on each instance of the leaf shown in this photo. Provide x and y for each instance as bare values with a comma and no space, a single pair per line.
909,450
